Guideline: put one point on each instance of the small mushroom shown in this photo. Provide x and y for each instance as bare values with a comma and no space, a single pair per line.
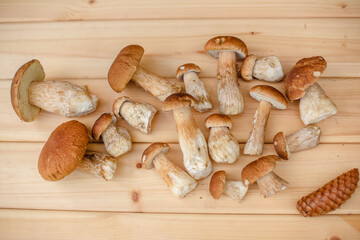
138,115
178,181
236,190
65,150
223,147
305,138
194,86
116,139
268,97
228,49
267,68
192,141
126,67
261,171
30,94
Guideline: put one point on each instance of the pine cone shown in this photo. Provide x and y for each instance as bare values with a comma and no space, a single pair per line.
331,196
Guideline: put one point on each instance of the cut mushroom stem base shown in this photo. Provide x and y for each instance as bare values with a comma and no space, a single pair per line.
236,190
138,115
305,138
117,140
195,87
270,184
223,147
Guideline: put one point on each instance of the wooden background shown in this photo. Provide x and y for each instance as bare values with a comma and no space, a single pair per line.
77,40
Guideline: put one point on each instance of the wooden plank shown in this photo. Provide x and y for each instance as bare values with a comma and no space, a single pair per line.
139,190
87,49
42,10
25,224
343,127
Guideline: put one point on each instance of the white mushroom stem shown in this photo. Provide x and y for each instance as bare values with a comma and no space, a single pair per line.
156,85
98,164
223,147
236,190
178,181
305,138
270,184
255,143
117,140
192,143
62,97
195,87
229,93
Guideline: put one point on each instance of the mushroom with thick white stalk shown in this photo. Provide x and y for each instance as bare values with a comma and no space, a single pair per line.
223,147
30,94
268,97
305,138
266,68
178,181
126,67
138,115
191,139
261,171
300,83
219,185
116,139
194,86
228,49
65,151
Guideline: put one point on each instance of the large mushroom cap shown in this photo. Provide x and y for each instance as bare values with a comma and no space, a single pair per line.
217,184
218,120
27,73
188,67
259,168
151,152
305,72
269,94
124,66
178,100
247,67
118,103
226,43
63,150
101,124
280,146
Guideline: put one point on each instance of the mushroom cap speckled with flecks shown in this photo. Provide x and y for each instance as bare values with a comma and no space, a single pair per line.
226,43
269,94
151,152
188,67
280,146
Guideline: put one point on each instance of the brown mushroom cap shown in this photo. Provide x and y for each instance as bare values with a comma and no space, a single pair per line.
27,73
178,100
63,150
151,152
226,43
101,124
280,146
188,67
305,72
259,168
217,184
247,67
269,94
124,66
218,120
117,105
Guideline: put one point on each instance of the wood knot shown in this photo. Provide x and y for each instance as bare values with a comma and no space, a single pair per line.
91,1
135,196
335,238
139,165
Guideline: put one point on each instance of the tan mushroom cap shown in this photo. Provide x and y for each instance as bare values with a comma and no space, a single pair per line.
226,43
280,146
259,168
124,67
63,150
27,73
217,184
101,124
269,94
188,67
151,152
305,72
117,105
247,67
178,100
218,120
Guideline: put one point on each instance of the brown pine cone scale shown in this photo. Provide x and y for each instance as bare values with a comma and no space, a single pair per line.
329,197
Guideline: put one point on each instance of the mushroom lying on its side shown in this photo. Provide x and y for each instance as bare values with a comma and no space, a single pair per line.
267,68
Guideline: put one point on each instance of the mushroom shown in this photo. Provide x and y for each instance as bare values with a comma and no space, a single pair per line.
126,67
30,94
267,68
236,190
194,86
65,150
305,138
116,139
267,96
228,49
138,115
261,171
178,181
300,83
192,141
223,147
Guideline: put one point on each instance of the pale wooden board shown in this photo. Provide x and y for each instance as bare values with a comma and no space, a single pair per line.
86,50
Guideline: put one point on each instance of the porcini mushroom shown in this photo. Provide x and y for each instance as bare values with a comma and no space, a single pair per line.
194,86
117,140
261,171
126,67
305,138
178,181
65,150
268,97
30,94
267,68
192,141
228,49
219,185
138,115
223,146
